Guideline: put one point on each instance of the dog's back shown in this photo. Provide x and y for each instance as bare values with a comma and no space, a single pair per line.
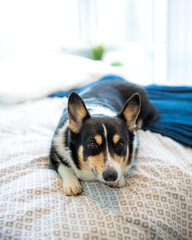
112,94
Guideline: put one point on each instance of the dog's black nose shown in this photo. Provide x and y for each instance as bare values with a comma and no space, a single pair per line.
110,175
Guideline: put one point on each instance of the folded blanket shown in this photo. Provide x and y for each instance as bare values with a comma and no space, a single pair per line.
174,105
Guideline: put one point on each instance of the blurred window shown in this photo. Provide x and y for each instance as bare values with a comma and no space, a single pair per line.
133,33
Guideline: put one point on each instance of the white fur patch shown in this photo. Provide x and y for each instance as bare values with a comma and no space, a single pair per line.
101,110
85,175
59,141
139,123
135,145
111,163
60,145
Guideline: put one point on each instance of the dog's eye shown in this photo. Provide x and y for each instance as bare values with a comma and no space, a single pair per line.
120,144
92,144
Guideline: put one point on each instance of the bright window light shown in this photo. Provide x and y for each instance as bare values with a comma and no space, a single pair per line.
132,32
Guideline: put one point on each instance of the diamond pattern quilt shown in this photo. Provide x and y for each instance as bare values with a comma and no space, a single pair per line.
156,202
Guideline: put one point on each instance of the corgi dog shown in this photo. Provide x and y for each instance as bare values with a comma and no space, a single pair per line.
96,137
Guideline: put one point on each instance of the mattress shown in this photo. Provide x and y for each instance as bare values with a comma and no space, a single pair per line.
156,202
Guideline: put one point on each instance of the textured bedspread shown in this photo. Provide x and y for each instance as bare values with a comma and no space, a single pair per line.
155,204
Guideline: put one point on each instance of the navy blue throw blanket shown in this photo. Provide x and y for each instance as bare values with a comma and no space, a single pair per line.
174,105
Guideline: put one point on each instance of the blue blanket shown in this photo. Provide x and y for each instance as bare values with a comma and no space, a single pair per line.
174,105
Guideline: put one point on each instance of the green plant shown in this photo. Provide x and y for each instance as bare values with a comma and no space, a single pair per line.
98,52
116,64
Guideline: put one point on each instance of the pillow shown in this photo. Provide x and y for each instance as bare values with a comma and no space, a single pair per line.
34,76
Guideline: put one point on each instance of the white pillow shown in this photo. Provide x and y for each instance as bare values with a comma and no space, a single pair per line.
33,76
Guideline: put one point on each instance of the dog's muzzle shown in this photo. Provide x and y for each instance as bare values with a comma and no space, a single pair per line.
110,175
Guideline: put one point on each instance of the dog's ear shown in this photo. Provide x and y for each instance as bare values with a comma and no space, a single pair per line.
77,112
131,111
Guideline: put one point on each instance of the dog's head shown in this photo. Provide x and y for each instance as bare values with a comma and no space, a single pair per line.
102,144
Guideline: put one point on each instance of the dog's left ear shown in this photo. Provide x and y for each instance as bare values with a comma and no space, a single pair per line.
77,112
130,111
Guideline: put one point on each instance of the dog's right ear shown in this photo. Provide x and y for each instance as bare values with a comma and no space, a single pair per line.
130,111
77,112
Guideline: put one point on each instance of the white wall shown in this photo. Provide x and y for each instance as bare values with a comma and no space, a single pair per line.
179,42
37,25
152,38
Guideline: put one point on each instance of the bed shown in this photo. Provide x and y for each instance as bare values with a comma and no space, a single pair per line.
156,202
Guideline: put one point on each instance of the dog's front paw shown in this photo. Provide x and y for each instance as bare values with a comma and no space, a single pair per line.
118,184
71,184
72,187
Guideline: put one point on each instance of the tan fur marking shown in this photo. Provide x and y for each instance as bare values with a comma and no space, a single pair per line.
84,164
116,138
118,159
73,128
76,125
122,161
126,158
98,139
97,162
82,112
129,117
